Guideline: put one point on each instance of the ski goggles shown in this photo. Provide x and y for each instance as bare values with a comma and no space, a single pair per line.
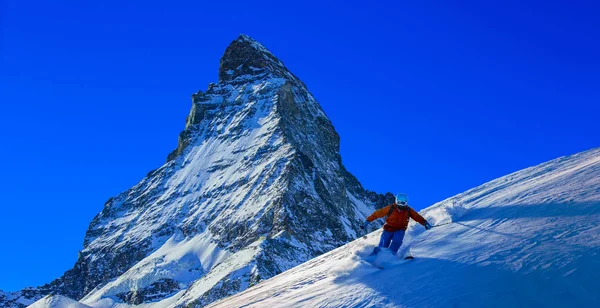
402,202
401,198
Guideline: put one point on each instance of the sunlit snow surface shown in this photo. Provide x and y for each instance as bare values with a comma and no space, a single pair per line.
531,238
57,301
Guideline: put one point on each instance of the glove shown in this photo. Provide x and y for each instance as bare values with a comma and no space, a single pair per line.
365,225
427,226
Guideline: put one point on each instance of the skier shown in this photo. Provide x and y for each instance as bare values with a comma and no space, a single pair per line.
396,223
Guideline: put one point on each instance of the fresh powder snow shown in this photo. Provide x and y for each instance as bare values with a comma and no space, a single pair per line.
57,301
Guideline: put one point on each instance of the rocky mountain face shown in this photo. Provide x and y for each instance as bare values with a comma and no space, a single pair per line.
255,187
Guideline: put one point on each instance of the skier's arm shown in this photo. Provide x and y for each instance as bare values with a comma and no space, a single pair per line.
418,218
379,213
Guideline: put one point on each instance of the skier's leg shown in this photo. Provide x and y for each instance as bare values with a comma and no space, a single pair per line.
397,239
384,241
386,238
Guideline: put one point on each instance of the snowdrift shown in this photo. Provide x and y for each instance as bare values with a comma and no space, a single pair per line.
531,238
57,301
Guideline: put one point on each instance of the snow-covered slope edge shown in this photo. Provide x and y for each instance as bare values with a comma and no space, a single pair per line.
57,301
531,238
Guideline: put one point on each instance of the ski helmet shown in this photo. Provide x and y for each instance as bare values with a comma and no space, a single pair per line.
401,199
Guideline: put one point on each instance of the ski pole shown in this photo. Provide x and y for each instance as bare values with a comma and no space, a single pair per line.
446,223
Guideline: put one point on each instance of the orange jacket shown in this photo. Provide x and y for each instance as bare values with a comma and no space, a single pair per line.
398,219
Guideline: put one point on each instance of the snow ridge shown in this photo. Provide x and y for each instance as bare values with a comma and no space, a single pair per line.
57,301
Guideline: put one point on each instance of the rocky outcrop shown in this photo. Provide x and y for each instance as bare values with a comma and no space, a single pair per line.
247,59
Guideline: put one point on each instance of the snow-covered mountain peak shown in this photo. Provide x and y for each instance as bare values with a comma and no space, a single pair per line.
255,186
246,59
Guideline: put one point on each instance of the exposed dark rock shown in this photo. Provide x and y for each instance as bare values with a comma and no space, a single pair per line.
156,291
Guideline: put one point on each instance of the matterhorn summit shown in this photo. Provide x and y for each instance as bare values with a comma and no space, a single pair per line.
255,187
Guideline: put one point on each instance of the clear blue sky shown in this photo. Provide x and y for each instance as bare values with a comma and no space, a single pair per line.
430,98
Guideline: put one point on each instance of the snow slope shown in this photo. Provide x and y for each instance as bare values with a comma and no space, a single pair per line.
57,301
531,238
